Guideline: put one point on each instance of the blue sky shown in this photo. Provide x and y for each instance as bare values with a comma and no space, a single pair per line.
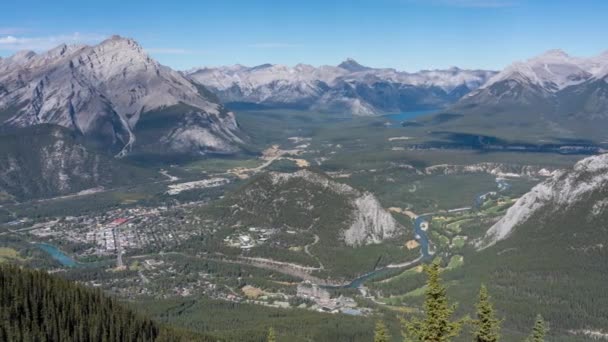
404,34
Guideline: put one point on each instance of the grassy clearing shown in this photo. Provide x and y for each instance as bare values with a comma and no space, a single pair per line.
404,275
459,241
9,254
455,262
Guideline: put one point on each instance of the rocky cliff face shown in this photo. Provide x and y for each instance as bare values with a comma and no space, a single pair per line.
347,88
104,91
371,223
367,221
559,193
497,169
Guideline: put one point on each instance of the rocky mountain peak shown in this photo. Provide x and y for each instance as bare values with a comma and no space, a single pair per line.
123,45
352,65
103,90
554,54
22,56
552,71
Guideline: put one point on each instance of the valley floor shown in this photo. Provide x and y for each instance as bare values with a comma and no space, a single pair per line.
175,247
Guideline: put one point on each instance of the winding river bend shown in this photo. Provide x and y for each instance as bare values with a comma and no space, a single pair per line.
421,237
57,255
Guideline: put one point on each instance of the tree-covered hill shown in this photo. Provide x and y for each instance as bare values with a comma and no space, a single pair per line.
36,306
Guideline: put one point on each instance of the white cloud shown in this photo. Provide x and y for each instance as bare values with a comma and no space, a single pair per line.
8,40
41,43
272,45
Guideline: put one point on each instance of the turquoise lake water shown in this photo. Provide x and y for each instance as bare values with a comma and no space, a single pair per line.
398,118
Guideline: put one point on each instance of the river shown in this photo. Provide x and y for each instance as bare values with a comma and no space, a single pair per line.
58,255
480,199
421,237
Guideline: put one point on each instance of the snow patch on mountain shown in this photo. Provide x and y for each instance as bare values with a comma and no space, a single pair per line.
554,70
348,87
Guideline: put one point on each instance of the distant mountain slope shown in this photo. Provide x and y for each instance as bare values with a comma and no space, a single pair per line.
347,88
104,91
548,255
585,184
48,161
551,98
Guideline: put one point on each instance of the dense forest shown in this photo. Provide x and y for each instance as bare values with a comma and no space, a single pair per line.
36,306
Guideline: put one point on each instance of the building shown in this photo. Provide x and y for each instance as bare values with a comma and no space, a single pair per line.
313,292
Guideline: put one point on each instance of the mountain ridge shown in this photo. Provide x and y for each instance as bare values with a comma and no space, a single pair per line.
560,192
551,98
349,87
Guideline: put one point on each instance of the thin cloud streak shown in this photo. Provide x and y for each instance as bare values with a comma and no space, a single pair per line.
15,43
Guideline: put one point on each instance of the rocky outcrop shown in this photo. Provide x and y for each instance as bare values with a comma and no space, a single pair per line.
368,222
557,194
371,223
497,169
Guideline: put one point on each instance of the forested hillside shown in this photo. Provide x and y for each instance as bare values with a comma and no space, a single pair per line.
36,306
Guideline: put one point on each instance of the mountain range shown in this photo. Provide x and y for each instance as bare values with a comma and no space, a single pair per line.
119,101
553,97
347,88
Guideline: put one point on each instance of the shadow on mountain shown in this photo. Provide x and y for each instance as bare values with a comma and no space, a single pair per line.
456,140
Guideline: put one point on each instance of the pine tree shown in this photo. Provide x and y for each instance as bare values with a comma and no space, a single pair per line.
487,325
381,334
36,306
437,325
538,331
271,335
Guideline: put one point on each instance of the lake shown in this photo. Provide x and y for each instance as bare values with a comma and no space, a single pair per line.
397,118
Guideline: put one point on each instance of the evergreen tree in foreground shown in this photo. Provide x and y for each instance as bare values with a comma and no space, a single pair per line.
272,337
538,331
437,325
487,326
381,334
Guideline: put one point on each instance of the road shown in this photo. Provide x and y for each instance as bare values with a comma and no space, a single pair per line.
307,251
